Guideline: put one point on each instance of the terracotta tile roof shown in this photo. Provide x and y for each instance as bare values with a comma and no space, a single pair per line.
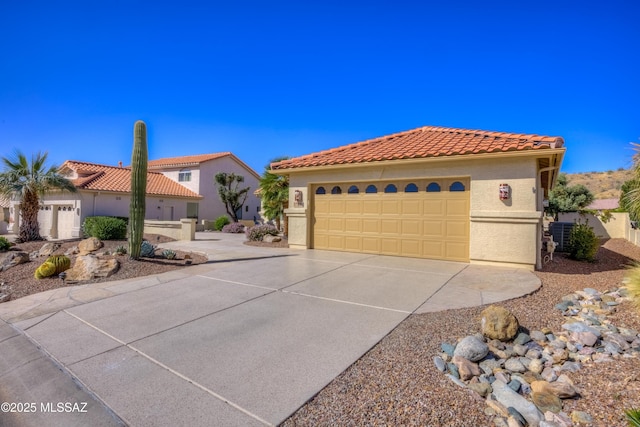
602,204
185,160
96,177
428,141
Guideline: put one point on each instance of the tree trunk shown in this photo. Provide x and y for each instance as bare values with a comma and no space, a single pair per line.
29,227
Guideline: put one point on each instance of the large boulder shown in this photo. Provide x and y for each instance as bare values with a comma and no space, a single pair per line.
89,245
471,348
498,323
89,267
12,258
48,249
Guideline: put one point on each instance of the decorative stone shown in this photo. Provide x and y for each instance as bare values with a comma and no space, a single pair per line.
456,380
471,348
447,348
546,401
520,349
497,406
516,416
538,336
536,366
560,389
483,389
579,417
514,385
271,239
580,327
89,245
466,368
498,323
48,249
88,267
522,338
500,422
560,419
73,250
12,258
440,364
508,397
514,365
453,369
570,367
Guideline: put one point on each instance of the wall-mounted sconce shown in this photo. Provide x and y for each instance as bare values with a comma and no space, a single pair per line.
505,191
298,201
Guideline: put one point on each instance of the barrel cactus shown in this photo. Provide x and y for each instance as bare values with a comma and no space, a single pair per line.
137,206
53,265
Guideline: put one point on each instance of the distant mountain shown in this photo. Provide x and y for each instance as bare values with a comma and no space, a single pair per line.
603,185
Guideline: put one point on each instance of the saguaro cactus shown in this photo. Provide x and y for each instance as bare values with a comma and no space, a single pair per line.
138,188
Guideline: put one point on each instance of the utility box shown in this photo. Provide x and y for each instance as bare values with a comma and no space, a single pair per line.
560,232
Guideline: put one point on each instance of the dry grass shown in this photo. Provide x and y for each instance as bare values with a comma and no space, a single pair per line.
603,185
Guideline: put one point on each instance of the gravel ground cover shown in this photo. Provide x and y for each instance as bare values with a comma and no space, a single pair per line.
396,382
19,280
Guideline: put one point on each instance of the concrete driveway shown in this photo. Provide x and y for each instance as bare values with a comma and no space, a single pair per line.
243,340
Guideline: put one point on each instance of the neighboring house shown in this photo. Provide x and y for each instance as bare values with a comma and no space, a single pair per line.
197,173
441,193
106,190
604,204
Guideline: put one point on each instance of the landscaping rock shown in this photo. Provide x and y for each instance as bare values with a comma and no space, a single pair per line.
271,239
483,389
471,348
89,267
466,368
509,398
498,323
89,245
546,401
11,259
560,389
48,249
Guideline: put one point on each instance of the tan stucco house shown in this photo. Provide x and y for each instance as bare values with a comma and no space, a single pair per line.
438,193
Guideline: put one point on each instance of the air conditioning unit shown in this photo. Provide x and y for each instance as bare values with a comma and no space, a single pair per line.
560,232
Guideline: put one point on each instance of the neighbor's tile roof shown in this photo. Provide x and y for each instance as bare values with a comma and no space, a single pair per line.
428,141
185,160
118,179
601,204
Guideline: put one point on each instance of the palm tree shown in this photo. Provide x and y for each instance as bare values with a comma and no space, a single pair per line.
274,191
30,182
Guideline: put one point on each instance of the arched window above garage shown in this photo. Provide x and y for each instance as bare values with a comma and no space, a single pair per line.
433,187
353,190
457,186
371,189
336,190
390,189
321,190
411,188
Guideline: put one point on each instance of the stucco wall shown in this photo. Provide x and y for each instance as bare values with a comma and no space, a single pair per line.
615,227
501,232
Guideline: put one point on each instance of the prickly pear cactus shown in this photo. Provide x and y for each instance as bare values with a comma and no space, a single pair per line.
138,188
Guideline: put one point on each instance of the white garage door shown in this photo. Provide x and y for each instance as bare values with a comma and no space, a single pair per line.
420,218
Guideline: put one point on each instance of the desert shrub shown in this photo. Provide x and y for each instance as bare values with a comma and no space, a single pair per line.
257,232
147,250
234,227
220,222
4,244
169,254
583,243
105,227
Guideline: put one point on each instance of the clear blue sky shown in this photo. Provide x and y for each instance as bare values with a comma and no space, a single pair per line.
266,79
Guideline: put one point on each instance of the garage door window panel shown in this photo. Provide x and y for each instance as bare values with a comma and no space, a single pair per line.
321,190
353,190
336,190
371,189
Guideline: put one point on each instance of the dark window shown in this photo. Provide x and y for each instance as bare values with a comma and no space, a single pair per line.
371,189
456,186
184,175
411,188
434,187
353,190
336,190
390,189
320,190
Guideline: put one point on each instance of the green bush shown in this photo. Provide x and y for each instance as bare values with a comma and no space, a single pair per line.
4,244
220,222
256,233
105,227
583,243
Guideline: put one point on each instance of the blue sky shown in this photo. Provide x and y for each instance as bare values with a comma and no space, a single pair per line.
267,79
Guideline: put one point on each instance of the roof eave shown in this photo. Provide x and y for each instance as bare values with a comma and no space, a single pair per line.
539,152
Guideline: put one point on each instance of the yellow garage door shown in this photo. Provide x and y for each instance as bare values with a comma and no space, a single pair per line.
423,219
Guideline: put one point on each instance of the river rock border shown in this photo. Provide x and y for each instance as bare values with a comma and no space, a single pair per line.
525,379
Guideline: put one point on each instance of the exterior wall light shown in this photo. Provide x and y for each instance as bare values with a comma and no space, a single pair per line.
505,191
